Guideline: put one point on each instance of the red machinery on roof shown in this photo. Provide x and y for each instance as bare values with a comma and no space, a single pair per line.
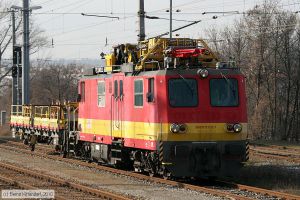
188,52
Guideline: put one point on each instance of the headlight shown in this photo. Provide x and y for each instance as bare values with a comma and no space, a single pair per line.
182,128
237,128
203,73
175,128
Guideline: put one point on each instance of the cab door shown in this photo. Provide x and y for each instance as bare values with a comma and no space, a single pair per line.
117,106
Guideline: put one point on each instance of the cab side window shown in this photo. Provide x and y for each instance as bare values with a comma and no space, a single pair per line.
150,93
101,94
138,93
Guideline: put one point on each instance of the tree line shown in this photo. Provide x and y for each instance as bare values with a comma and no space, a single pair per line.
50,83
265,44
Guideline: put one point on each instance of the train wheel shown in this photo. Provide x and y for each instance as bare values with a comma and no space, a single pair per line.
25,141
152,173
57,148
166,174
32,147
21,136
13,132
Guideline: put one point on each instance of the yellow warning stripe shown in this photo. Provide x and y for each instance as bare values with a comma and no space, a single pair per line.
161,132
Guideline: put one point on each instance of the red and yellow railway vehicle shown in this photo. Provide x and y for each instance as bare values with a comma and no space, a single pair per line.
167,107
164,106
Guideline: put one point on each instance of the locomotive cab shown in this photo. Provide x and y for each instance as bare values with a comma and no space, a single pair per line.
207,122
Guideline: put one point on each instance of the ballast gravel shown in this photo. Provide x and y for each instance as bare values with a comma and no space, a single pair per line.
101,179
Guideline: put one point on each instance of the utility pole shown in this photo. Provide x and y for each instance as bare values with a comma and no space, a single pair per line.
16,100
14,78
171,8
141,15
26,64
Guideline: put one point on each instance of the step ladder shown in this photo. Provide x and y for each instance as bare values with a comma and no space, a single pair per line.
116,151
72,142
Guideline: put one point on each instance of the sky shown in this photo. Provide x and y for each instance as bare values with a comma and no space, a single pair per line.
79,37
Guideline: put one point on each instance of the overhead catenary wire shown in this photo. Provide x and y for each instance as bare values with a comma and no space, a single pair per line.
82,2
67,5
178,20
91,25
207,19
79,13
101,16
192,4
46,2
78,44
96,24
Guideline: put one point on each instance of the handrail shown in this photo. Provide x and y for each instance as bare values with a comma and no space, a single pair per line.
16,110
42,111
54,112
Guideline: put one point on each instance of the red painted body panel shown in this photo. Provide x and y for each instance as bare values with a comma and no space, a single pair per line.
158,111
135,143
203,113
95,138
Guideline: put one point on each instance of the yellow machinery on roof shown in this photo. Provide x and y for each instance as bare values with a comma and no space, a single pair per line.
154,53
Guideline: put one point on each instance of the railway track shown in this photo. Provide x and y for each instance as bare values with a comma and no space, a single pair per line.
284,148
7,184
291,155
222,189
31,180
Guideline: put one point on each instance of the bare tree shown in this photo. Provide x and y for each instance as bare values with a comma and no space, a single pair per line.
54,83
265,44
37,39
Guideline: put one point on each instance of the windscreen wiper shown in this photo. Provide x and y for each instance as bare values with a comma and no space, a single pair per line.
187,83
228,82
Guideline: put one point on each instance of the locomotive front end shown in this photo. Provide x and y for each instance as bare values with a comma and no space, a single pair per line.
207,123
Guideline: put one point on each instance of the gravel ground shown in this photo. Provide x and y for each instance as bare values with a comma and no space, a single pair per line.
102,179
275,174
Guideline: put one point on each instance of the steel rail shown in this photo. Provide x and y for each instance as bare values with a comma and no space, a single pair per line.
215,192
274,156
168,182
271,193
25,186
79,187
282,147
276,151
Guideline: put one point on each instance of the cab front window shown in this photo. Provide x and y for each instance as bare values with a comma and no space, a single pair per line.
183,92
224,92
